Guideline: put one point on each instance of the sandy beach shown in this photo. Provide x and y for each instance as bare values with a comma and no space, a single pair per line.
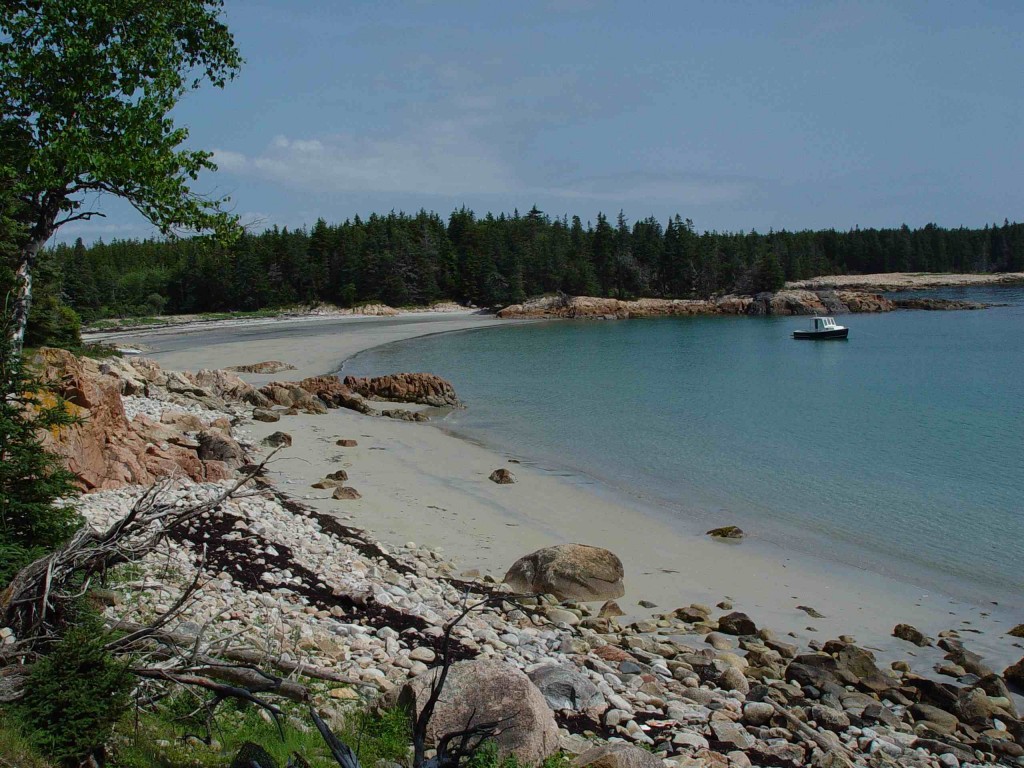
420,484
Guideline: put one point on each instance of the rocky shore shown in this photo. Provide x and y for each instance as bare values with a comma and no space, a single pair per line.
905,281
825,301
692,685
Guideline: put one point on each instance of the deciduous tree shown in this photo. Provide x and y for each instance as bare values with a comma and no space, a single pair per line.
86,92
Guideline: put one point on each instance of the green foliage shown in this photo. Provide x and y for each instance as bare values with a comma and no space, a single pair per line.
87,89
418,259
75,694
488,756
157,739
31,478
384,735
51,322
768,273
16,749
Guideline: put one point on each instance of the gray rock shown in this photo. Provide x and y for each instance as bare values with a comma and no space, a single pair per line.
265,414
737,623
940,720
564,687
214,445
617,755
569,572
911,635
278,440
757,712
482,691
734,680
829,718
719,642
733,734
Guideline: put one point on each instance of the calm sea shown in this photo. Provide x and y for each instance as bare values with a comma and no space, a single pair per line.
900,450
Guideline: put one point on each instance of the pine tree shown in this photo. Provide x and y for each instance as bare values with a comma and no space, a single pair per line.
31,478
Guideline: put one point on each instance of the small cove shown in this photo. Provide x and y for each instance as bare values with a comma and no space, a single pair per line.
899,451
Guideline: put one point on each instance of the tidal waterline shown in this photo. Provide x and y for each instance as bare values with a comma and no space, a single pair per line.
900,450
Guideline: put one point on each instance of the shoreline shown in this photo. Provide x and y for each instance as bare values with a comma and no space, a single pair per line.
432,487
894,282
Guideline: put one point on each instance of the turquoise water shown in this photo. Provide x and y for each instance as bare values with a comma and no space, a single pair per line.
900,450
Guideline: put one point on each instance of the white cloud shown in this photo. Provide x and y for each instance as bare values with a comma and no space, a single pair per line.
441,158
470,140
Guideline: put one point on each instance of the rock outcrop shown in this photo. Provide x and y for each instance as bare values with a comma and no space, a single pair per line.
484,691
911,634
334,394
787,302
569,572
422,388
106,449
938,304
267,366
292,395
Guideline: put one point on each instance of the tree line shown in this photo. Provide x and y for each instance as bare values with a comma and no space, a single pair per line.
402,259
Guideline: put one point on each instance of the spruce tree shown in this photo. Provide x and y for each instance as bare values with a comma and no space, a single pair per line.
31,478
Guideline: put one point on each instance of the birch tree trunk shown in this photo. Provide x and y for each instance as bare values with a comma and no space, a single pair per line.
23,287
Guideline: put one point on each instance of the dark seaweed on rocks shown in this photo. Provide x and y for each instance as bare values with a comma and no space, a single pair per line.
357,539
246,559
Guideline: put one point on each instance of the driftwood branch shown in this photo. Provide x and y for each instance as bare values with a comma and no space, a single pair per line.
244,656
37,601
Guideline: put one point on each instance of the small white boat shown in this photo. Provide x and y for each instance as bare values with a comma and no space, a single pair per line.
823,328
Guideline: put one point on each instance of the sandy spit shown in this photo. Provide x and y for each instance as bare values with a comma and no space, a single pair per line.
420,484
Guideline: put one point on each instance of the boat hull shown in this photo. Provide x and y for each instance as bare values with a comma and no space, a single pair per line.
838,333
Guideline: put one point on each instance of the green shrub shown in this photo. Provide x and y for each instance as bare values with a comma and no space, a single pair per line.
31,478
52,323
75,694
384,735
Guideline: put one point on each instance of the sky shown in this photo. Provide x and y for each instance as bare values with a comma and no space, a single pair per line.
737,115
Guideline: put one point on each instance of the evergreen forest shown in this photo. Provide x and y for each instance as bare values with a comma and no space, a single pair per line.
402,260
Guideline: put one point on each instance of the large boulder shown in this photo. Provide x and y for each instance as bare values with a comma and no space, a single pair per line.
291,395
335,394
564,687
423,388
214,445
229,387
482,691
737,623
569,572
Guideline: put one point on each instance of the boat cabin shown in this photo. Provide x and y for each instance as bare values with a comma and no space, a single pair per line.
825,324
